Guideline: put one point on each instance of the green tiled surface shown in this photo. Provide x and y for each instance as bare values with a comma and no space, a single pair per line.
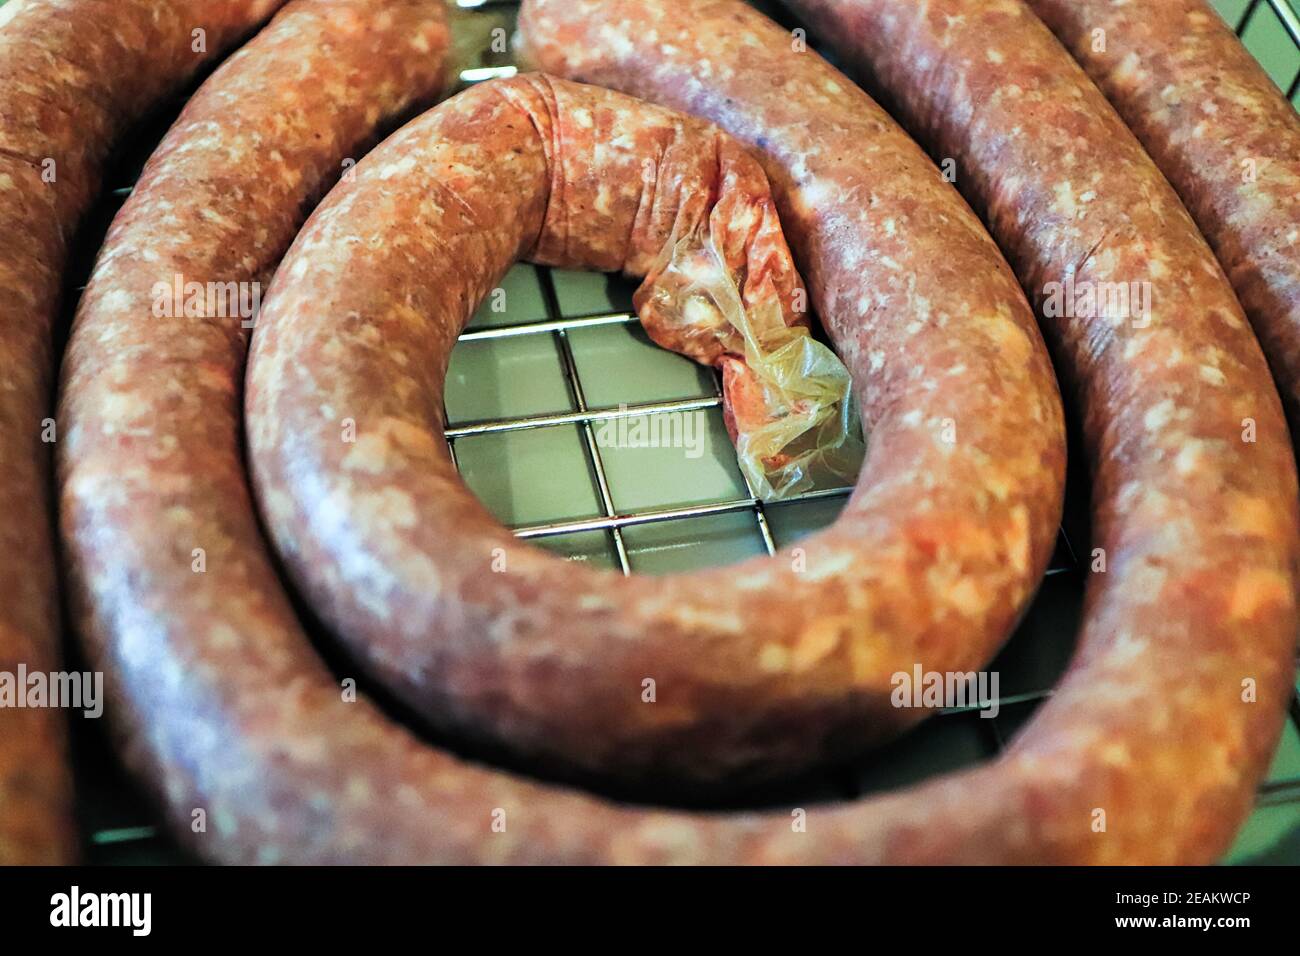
590,293
1286,762
619,364
1267,39
591,548
505,378
794,520
531,476
688,545
647,479
1231,10
1270,836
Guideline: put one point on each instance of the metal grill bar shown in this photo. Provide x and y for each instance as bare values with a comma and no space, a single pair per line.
480,73
665,514
555,325
582,415
1244,19
588,434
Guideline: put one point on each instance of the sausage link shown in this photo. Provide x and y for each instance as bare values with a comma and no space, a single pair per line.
759,669
73,75
1192,470
228,708
232,711
1221,132
168,575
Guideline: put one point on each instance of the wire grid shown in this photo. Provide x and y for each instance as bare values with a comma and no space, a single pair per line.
123,831
613,521
1290,20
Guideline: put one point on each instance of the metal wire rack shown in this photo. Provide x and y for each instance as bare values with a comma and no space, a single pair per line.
613,520
1290,21
119,822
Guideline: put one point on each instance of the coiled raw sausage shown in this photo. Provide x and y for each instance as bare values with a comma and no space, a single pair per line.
225,706
1175,699
1223,134
73,75
229,710
758,669
168,573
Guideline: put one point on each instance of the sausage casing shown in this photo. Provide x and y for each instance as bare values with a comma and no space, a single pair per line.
1223,134
169,581
73,75
759,669
1194,483
1194,523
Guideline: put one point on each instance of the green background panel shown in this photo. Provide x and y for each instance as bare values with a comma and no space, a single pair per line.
794,520
666,547
619,364
702,471
1270,836
591,293
1231,10
1267,39
532,476
1286,762
591,548
516,377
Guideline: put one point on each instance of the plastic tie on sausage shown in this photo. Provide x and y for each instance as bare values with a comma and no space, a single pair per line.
788,399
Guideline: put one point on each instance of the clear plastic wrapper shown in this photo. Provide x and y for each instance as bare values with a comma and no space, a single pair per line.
788,397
